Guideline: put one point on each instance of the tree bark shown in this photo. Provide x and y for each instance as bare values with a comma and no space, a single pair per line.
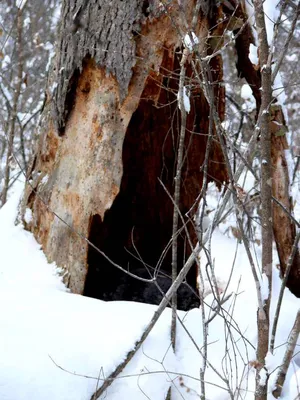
263,319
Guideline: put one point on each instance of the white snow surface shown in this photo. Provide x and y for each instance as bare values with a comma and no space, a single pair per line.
271,15
186,100
28,215
249,101
190,40
21,4
253,54
55,345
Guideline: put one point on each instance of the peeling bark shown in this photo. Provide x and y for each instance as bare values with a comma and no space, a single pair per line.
284,227
106,34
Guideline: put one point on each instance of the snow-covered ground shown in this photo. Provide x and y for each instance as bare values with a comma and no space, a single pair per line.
55,345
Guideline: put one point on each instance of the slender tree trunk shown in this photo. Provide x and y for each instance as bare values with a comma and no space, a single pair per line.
263,320
14,110
180,154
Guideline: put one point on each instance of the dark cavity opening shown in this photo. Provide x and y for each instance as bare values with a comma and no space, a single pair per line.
136,231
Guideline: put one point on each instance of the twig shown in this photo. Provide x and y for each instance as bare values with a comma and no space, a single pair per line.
218,308
98,378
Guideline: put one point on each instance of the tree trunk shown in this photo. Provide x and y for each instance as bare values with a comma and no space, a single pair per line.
284,227
109,133
14,108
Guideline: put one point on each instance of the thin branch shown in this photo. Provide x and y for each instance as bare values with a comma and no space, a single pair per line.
181,94
17,92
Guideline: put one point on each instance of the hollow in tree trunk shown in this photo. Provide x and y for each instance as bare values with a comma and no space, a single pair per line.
109,134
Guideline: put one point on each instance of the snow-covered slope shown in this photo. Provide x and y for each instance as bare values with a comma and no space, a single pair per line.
55,345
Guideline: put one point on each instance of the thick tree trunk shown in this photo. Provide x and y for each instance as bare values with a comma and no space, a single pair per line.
110,133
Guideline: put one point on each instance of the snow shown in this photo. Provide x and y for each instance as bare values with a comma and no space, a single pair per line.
40,322
58,345
263,377
225,125
291,57
21,4
271,15
44,180
247,181
28,215
22,261
295,384
26,22
251,17
264,287
190,40
253,54
249,101
6,61
186,100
